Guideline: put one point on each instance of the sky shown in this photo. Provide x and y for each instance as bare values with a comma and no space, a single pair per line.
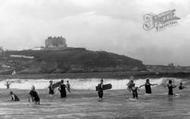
108,25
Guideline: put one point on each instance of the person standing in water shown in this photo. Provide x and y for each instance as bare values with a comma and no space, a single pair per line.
100,90
147,85
13,97
62,89
51,89
181,86
130,85
170,87
8,84
68,87
33,95
134,90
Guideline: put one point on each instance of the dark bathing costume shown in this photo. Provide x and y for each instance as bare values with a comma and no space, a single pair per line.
100,90
134,92
170,89
63,90
14,97
181,87
51,90
148,88
34,95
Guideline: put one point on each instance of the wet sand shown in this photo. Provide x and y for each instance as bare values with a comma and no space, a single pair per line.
83,104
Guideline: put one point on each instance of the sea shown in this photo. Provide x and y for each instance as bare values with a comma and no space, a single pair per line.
83,103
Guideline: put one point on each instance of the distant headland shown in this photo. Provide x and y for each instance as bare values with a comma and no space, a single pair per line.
56,59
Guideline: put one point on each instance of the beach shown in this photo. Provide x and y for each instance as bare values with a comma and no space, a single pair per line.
83,104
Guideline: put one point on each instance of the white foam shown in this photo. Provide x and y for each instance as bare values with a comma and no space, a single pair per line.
89,84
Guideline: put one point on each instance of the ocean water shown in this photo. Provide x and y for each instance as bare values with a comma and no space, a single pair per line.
83,103
81,84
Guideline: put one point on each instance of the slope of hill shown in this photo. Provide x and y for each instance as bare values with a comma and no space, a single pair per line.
69,60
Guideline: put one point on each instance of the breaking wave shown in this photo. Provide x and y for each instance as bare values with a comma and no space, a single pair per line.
80,84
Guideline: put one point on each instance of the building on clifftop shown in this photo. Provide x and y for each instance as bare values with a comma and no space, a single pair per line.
55,43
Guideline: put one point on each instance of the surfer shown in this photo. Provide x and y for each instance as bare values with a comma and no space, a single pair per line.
13,97
134,90
100,90
62,89
170,87
130,85
33,95
51,89
148,85
181,86
68,87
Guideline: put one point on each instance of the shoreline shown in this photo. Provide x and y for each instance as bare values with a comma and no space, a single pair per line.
105,75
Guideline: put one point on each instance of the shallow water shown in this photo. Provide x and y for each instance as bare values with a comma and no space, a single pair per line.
83,103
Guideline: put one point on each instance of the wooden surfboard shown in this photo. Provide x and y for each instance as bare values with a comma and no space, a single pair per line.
105,87
57,84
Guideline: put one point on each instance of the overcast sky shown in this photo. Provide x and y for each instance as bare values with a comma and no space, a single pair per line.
110,25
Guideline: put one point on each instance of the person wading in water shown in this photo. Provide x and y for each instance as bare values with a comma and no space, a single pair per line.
68,87
51,89
8,84
134,90
130,85
62,90
33,95
100,90
181,86
170,87
13,97
147,86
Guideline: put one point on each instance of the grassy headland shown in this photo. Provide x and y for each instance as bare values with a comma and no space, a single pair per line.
80,63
